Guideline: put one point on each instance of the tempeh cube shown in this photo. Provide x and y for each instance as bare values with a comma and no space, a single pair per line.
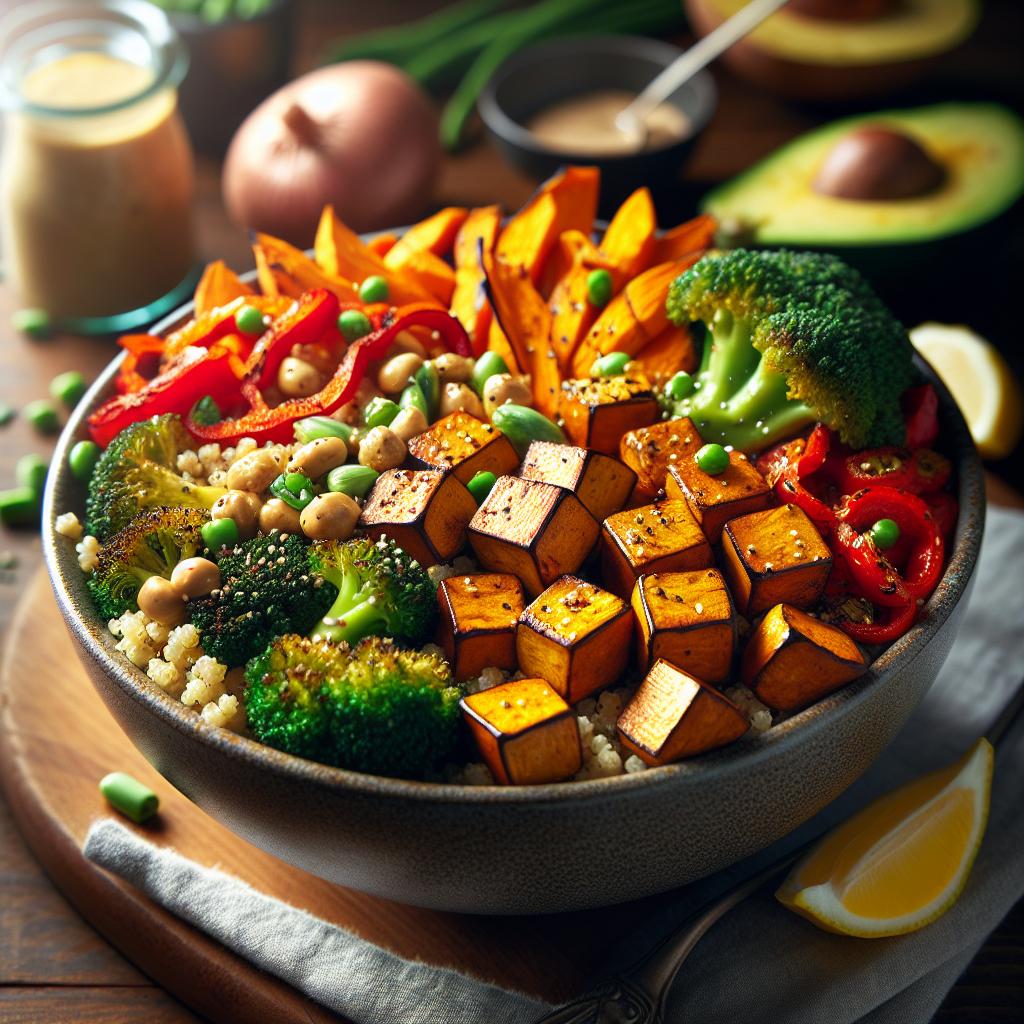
576,636
663,537
717,499
686,618
478,622
649,451
465,446
793,659
535,531
602,483
425,513
598,410
672,715
525,732
774,556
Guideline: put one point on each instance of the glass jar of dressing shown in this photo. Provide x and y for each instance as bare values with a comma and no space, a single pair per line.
96,178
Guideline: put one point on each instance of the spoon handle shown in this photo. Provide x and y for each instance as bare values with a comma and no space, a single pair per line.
702,53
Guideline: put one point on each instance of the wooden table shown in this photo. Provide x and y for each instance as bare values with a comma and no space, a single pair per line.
53,967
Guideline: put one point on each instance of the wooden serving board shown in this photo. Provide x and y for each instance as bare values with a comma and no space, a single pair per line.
57,740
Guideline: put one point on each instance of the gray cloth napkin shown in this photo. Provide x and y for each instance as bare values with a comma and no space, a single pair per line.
761,962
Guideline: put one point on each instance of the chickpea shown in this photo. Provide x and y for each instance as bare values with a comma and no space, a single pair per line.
298,379
242,506
382,449
318,457
253,472
453,369
407,342
330,516
395,373
279,515
195,577
355,439
502,388
159,600
408,423
460,398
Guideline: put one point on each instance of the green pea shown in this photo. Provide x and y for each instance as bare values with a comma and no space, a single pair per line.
43,416
480,486
611,365
413,398
82,460
314,427
430,384
249,320
885,533
33,322
486,366
220,533
19,507
353,324
713,459
31,472
374,289
680,386
205,412
599,287
129,796
353,480
379,412
68,388
523,425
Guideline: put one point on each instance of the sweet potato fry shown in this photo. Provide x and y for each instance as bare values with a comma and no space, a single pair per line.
572,313
217,287
381,244
469,303
432,272
692,236
436,234
671,351
629,243
497,342
282,269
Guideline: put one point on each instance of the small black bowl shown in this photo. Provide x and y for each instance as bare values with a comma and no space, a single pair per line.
547,73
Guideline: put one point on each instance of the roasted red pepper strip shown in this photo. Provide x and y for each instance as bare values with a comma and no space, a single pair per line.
142,353
921,415
275,424
893,624
943,507
788,466
872,575
931,471
202,331
921,471
195,373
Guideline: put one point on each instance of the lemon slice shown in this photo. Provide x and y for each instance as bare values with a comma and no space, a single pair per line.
901,862
981,382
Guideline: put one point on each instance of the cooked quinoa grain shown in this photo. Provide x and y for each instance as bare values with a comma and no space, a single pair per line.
68,525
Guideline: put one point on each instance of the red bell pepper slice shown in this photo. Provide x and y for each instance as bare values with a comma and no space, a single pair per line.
141,362
931,471
944,509
266,424
890,626
872,575
921,416
787,468
921,471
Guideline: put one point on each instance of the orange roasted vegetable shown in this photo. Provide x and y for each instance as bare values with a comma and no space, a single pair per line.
629,242
478,622
433,273
692,236
671,351
462,445
469,304
572,313
217,287
497,342
381,244
436,234
282,269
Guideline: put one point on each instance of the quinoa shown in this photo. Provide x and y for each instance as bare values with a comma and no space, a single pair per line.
88,549
68,525
760,716
204,682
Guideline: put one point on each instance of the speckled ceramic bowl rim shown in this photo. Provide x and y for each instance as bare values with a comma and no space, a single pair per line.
747,753
499,121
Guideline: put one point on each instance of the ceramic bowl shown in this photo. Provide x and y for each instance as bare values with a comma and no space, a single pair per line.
538,75
532,849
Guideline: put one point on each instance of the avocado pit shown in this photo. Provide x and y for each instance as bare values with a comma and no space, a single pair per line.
874,163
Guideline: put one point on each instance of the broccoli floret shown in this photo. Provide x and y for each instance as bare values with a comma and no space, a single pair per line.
791,338
268,588
138,471
372,708
152,544
382,591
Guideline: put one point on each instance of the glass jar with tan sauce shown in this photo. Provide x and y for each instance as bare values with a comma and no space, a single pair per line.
96,178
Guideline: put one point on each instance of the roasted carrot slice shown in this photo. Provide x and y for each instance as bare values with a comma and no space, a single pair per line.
630,241
282,269
691,236
469,303
217,287
436,234
671,351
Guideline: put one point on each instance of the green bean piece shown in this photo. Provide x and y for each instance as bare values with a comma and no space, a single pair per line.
379,412
523,425
19,507
293,489
374,289
220,533
487,366
412,397
82,460
43,416
129,796
313,427
35,323
353,324
885,533
249,320
480,486
31,472
429,381
68,387
599,287
611,365
713,459
353,480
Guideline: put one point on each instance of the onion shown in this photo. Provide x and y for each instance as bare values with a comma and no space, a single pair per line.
361,135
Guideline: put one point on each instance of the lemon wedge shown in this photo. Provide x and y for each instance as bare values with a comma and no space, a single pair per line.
902,861
981,382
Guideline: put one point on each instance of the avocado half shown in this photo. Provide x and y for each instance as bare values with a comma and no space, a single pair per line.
823,59
980,146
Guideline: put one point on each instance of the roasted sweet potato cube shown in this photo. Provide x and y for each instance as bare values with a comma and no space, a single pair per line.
576,636
663,537
686,618
425,513
673,715
717,499
599,410
793,659
602,483
463,445
534,530
525,732
478,622
774,556
649,451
